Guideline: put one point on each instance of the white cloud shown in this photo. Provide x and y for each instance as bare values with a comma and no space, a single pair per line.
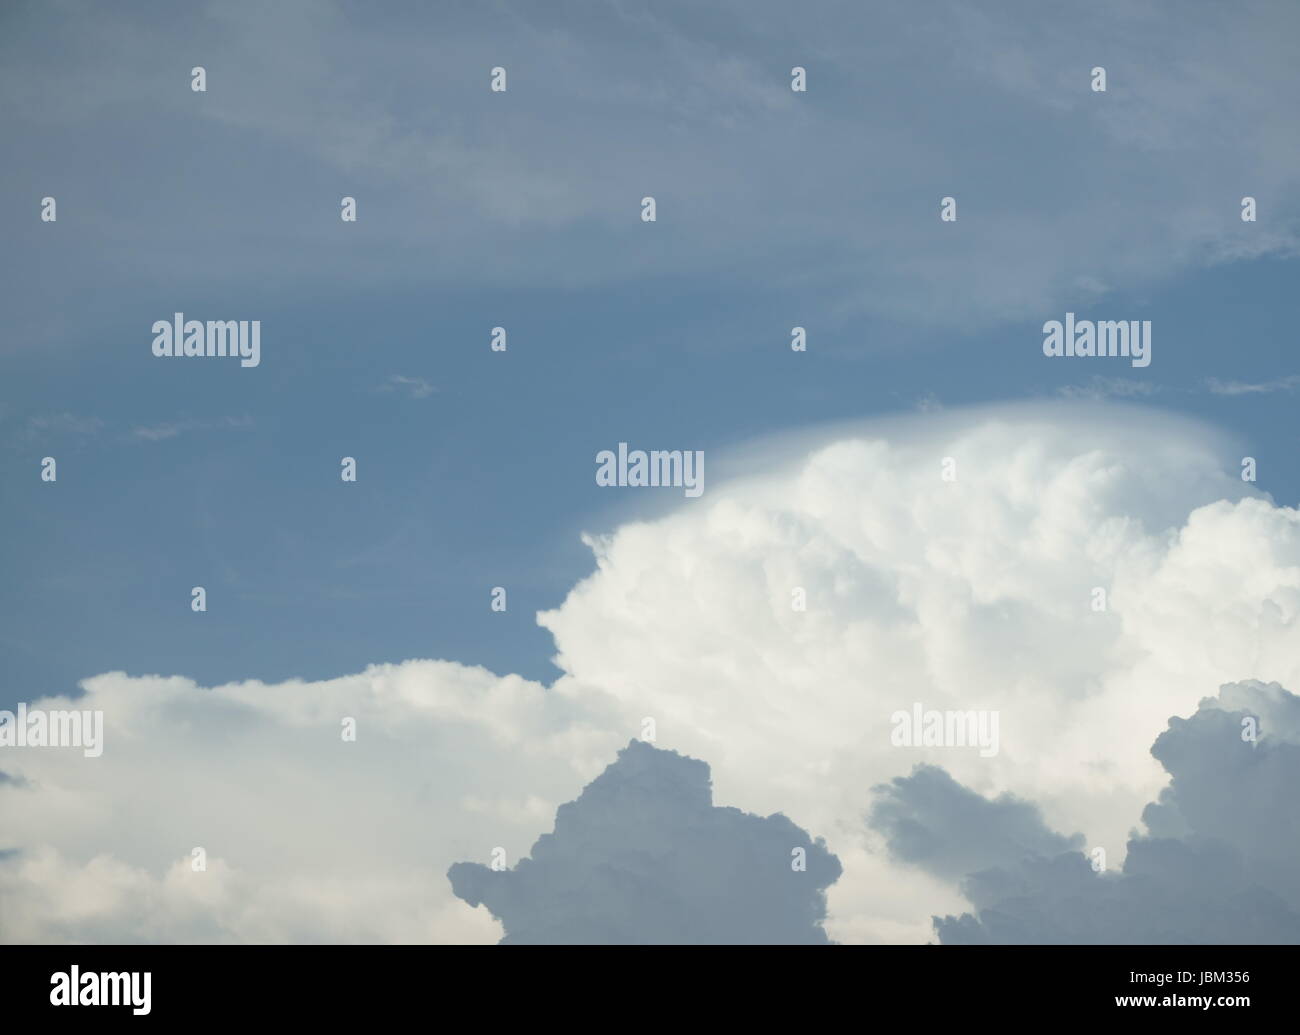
308,837
972,594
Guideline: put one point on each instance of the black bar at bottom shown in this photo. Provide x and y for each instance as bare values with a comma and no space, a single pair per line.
558,984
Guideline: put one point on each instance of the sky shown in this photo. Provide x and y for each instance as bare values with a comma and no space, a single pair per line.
523,209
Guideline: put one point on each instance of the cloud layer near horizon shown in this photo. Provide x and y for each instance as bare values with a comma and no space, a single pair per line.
968,594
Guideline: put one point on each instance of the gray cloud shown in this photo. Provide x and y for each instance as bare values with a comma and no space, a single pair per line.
1234,791
1170,892
934,822
643,856
1217,864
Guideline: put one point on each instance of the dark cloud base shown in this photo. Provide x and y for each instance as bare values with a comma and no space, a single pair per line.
643,856
1216,866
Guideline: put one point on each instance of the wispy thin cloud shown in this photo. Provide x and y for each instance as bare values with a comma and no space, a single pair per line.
1280,384
161,432
1108,388
64,424
415,387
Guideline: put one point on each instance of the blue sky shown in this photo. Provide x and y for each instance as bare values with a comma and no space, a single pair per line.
486,481
776,209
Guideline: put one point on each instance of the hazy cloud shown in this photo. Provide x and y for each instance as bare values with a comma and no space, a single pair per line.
838,187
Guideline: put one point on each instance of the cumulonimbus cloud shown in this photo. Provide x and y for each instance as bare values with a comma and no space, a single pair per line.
973,593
